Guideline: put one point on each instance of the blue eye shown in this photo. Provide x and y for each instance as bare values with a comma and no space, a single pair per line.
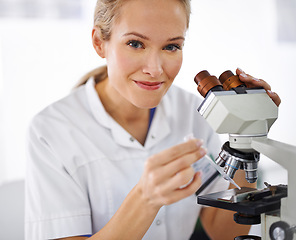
135,44
172,47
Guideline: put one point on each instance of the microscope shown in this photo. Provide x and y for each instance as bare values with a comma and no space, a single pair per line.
246,115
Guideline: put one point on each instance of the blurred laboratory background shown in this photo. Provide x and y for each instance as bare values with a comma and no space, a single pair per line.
45,47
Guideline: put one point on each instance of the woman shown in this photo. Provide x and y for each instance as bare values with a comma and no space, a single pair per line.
109,159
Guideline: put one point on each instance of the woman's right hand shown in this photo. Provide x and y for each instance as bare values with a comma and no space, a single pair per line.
161,183
169,177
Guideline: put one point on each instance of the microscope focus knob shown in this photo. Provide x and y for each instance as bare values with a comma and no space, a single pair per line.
281,231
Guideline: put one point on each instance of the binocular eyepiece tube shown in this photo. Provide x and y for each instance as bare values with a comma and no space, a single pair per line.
206,82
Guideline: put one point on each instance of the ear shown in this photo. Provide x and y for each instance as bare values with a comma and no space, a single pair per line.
98,43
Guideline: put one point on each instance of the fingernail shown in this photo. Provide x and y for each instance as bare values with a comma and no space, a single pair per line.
202,151
240,70
199,143
188,137
243,75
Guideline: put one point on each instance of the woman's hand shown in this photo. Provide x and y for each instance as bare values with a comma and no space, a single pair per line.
255,82
169,177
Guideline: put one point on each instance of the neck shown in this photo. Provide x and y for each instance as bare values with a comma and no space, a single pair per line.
133,119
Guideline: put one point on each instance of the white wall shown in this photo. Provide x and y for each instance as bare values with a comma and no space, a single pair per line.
229,34
40,60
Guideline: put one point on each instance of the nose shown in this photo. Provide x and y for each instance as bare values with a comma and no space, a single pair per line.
153,65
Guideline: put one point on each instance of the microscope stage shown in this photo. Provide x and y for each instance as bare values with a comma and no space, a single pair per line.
248,201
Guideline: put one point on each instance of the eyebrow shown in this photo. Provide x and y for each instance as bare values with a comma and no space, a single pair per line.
176,38
146,38
136,34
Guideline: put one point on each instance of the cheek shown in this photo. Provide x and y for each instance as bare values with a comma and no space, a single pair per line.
173,67
122,63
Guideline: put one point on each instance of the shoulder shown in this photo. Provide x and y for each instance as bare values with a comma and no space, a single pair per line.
181,96
67,109
65,129
182,106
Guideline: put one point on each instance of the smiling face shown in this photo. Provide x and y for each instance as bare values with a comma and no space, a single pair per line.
144,53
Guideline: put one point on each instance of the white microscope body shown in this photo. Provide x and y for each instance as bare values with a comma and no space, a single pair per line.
247,119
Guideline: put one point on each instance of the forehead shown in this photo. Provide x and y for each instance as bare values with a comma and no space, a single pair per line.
152,17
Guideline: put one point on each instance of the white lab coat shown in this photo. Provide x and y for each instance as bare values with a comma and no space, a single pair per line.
82,164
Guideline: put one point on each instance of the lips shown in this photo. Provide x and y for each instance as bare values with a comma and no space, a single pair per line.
149,85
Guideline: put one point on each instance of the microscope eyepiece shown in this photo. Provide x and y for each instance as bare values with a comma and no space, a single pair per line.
229,80
206,82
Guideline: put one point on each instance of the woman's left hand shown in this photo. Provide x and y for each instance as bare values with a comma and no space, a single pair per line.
255,82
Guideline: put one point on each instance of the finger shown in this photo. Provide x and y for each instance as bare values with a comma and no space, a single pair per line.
239,71
255,82
187,191
274,96
183,178
184,162
165,172
252,82
175,152
179,180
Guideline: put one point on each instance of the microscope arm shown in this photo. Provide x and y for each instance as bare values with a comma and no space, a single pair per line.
285,155
282,153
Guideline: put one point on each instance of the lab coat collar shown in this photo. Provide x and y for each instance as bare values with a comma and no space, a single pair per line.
96,105
159,128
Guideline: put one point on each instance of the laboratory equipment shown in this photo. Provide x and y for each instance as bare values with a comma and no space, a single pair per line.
246,115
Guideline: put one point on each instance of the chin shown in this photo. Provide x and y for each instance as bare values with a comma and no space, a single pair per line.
147,105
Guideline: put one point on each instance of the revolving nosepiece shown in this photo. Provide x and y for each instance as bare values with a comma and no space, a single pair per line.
232,160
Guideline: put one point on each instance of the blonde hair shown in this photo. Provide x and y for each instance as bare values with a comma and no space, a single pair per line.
106,13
